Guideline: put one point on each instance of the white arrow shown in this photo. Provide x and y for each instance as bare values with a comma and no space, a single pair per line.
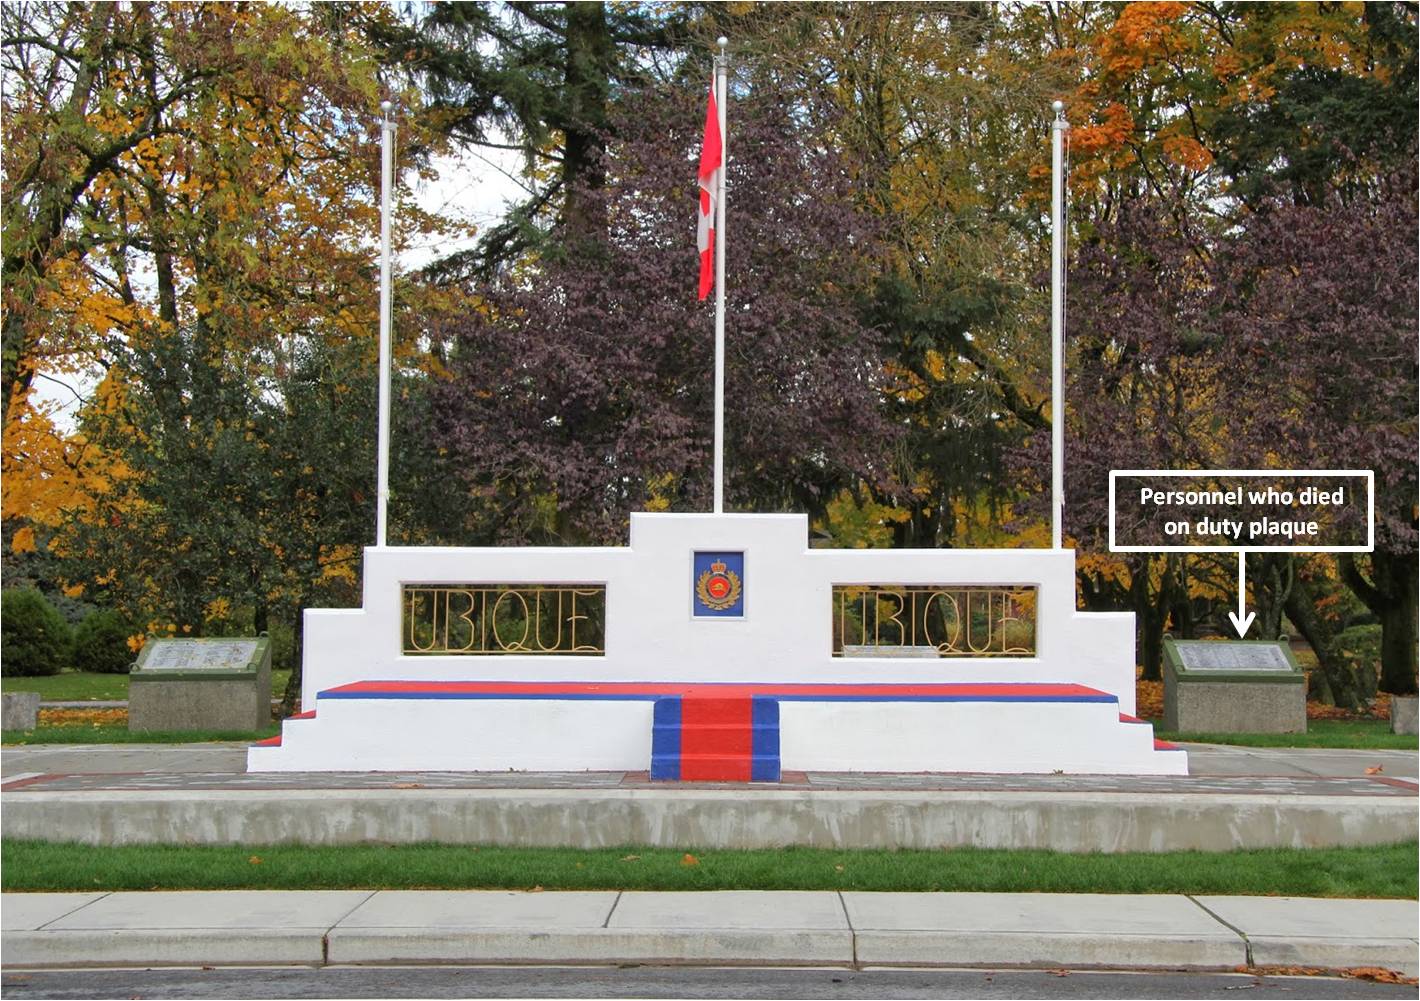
1242,618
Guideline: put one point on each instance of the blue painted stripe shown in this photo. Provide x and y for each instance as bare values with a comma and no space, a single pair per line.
764,739
764,720
665,739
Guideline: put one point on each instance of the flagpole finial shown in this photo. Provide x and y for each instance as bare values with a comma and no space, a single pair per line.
1059,107
722,41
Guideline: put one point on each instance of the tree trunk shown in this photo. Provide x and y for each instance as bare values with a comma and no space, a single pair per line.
1391,595
1398,625
1275,580
587,78
1334,678
292,696
1152,613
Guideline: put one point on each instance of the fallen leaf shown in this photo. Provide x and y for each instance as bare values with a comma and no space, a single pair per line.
689,859
536,889
1058,973
1378,974
254,860
838,868
631,858
1374,770
408,785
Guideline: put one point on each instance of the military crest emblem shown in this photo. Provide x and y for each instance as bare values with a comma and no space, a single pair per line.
719,584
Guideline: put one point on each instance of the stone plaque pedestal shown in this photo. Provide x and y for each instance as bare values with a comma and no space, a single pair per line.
1403,714
21,710
1221,686
201,684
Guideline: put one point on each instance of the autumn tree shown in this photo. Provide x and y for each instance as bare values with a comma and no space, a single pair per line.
222,275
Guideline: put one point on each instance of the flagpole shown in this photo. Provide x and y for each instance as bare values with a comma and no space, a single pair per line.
721,64
382,460
1058,129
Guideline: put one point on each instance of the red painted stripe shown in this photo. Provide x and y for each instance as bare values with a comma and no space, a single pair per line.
714,768
269,742
1126,718
687,689
1164,745
309,715
715,739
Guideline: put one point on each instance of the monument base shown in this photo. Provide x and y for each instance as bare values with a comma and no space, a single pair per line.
631,726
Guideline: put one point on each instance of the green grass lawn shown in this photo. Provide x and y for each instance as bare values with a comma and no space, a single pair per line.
78,734
1370,734
1388,871
85,686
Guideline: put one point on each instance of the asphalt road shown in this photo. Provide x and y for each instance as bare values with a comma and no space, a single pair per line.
672,982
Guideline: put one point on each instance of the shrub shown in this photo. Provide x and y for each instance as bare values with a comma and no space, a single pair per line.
34,638
101,643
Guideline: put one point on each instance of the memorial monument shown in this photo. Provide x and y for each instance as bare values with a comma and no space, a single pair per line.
718,646
1233,686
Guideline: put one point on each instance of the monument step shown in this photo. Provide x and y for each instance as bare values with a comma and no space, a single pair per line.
1011,691
718,731
715,738
715,768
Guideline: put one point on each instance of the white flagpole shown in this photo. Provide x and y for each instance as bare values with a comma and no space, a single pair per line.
1058,129
721,64
387,130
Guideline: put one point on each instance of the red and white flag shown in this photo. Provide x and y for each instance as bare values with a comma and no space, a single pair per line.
711,157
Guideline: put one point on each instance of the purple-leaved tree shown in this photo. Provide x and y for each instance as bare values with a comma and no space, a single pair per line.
581,387
1318,317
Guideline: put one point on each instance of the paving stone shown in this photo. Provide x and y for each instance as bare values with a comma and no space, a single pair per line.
536,911
572,927
1304,931
29,911
701,909
234,909
1038,929
186,929
473,926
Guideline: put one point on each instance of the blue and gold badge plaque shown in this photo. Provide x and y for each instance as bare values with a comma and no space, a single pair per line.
718,586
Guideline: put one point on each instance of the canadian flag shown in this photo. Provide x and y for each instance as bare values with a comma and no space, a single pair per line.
711,163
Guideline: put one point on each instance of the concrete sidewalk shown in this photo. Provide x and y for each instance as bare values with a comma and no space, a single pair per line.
715,927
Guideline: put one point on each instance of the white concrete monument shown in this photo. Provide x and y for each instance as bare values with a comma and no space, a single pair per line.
713,647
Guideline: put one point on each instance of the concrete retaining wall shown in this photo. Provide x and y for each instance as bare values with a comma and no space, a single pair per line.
589,818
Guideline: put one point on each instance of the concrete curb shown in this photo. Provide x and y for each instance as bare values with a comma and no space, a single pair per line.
165,947
599,946
717,818
713,928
